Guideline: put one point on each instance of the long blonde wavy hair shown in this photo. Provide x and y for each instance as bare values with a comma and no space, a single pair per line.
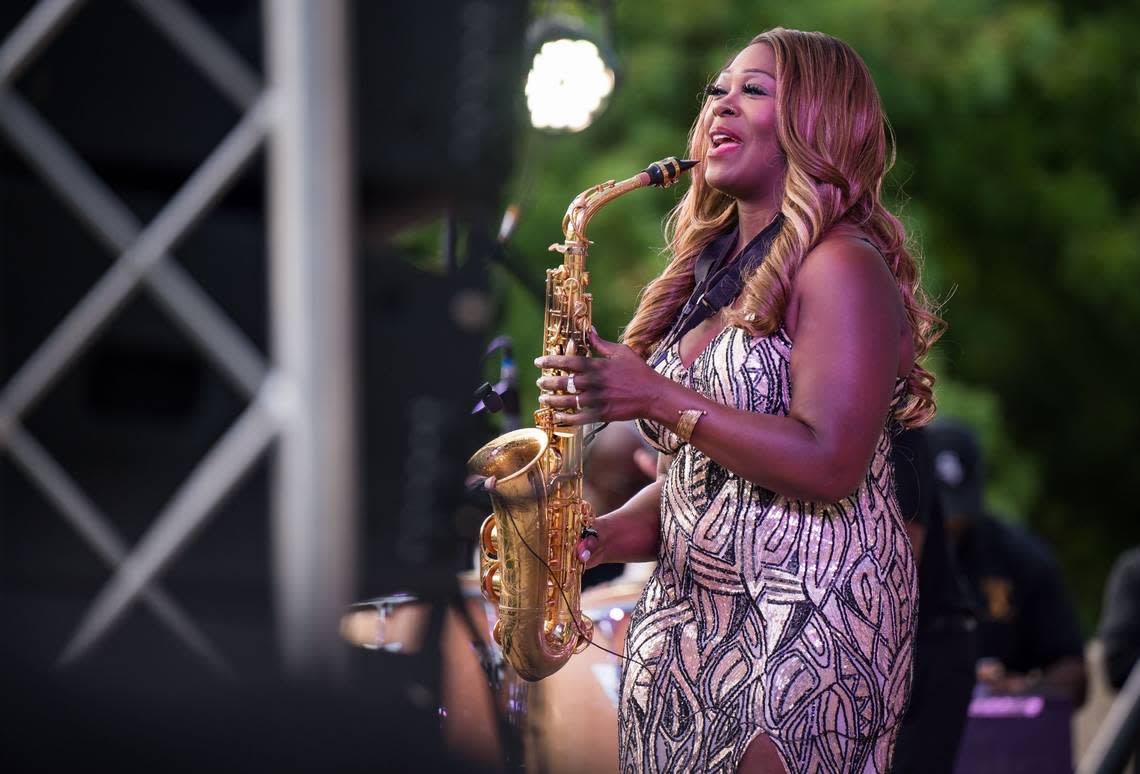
834,136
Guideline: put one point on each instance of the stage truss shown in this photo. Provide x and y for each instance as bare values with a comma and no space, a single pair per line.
301,401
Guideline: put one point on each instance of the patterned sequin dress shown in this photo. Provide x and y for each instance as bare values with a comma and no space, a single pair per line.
766,615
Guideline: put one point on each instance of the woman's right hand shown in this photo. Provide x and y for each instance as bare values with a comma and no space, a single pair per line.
589,548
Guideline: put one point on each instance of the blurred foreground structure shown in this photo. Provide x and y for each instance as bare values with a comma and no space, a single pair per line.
164,428
303,398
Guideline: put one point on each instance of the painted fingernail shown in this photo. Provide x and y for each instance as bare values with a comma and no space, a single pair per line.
543,399
584,556
538,361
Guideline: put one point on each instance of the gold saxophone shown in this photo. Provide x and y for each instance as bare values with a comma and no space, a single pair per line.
527,558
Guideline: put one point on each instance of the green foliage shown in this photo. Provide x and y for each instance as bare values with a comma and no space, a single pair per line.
1018,131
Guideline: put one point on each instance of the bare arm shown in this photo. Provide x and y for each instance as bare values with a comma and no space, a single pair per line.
846,356
843,368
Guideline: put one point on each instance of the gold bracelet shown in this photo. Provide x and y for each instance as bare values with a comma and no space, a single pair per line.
688,422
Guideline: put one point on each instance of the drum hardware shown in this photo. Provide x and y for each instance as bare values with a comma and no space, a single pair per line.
403,624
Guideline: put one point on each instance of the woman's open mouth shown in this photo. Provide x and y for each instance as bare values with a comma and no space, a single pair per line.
723,143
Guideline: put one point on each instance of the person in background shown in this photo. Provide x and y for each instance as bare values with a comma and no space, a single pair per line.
1029,638
1120,625
1120,618
946,642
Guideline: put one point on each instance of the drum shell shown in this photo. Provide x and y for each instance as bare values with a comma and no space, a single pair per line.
574,712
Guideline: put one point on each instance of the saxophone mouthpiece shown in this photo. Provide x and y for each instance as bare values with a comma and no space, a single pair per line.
665,172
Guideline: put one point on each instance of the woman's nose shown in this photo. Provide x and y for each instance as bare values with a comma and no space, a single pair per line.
726,106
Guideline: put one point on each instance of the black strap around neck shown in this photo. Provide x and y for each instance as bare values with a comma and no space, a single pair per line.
719,280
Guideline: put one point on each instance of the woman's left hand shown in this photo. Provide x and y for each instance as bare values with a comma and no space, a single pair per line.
614,386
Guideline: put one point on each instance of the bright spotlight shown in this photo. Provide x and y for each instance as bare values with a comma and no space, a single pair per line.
570,78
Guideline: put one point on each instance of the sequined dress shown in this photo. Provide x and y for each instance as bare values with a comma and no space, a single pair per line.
766,615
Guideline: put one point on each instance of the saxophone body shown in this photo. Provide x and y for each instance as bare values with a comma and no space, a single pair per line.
527,560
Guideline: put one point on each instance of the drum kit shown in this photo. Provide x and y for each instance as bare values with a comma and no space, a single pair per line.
565,723
574,712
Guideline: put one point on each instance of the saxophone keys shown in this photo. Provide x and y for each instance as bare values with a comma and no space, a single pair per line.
559,633
489,537
491,584
585,633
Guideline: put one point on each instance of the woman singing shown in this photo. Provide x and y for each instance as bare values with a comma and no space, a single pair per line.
782,341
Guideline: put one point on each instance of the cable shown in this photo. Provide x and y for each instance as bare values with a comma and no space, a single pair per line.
590,435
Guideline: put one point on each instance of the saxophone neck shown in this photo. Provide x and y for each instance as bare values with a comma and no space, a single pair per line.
661,173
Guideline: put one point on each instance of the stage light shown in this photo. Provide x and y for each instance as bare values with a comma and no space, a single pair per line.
571,75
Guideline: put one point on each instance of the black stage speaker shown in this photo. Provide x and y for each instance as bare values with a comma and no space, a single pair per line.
424,336
437,85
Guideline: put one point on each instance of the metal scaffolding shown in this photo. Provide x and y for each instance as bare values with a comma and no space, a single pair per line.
303,398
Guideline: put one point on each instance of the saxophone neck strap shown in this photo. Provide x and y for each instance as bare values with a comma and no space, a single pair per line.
718,280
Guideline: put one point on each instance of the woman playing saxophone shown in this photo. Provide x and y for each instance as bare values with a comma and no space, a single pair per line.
777,630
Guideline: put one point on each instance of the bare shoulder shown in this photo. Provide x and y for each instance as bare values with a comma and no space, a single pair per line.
843,256
843,271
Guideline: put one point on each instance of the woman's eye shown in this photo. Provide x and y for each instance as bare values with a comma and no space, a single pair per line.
753,89
715,90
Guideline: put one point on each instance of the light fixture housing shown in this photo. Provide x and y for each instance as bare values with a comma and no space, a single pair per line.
572,74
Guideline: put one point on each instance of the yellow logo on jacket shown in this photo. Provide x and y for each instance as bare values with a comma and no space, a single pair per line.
998,592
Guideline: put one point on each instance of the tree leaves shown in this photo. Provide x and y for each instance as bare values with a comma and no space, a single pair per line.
1018,126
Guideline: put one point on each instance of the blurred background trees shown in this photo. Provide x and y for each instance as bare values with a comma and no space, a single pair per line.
1018,133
